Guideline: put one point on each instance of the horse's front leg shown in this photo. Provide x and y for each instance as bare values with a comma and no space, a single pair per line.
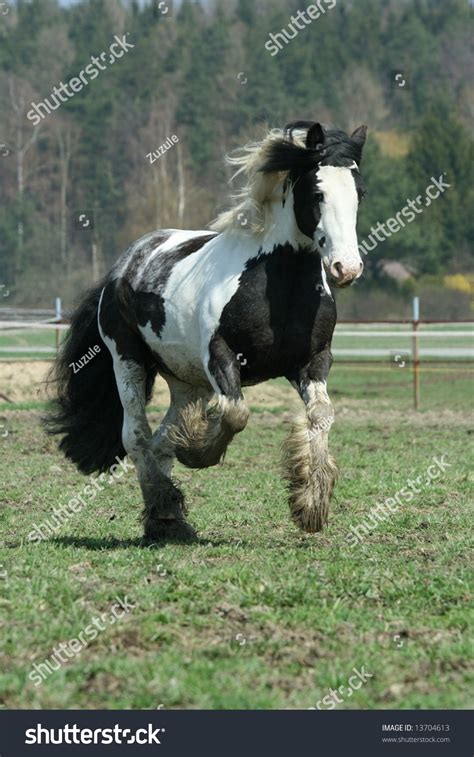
206,428
308,467
223,370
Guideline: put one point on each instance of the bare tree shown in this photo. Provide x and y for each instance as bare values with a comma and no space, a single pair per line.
23,138
362,99
66,136
181,184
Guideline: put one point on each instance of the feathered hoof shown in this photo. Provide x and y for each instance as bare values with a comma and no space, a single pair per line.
235,414
169,530
163,499
307,516
309,499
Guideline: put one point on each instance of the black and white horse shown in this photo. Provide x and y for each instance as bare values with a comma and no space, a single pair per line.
187,304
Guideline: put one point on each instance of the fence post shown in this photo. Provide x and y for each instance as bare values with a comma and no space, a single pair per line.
415,353
58,307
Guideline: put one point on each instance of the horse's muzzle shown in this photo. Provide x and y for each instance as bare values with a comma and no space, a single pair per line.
343,275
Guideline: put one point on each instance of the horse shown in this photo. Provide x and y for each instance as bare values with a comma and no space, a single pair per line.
213,311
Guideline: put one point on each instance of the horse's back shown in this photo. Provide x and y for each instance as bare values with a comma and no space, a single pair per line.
147,263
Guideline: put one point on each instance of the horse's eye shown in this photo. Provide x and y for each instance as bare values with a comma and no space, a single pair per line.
319,197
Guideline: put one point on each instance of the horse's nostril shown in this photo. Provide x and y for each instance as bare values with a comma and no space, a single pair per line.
337,270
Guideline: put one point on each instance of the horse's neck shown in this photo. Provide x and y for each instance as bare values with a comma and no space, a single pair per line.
280,227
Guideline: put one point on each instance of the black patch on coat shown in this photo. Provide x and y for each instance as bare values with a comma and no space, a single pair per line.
118,323
359,183
305,205
118,320
193,245
317,370
280,318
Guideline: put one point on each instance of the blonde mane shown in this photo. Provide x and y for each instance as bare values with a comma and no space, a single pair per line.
259,187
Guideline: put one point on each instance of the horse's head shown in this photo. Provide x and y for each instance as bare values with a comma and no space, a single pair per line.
323,172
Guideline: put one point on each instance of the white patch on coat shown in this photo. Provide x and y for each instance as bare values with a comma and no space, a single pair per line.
195,295
316,393
325,281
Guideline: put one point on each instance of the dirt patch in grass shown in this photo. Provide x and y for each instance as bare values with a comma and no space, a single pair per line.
24,381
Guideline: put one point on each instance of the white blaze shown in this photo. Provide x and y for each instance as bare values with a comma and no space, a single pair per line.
339,217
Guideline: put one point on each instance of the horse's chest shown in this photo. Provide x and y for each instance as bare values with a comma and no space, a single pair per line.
279,316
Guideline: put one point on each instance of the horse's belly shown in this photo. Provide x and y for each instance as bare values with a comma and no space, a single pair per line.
179,354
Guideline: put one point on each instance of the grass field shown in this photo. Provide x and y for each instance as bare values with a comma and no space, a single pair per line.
256,614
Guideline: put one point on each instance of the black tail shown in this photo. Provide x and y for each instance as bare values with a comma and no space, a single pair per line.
87,408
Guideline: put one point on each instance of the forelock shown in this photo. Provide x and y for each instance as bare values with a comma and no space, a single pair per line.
339,149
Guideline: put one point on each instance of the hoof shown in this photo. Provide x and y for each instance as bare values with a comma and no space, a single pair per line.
165,503
169,530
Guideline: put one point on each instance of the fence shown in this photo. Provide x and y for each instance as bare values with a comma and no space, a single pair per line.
28,334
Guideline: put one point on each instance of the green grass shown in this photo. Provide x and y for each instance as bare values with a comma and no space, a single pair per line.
256,614
24,338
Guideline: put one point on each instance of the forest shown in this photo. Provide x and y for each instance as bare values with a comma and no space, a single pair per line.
116,117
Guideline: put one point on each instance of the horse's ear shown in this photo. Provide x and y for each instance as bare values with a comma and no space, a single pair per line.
290,128
358,136
315,137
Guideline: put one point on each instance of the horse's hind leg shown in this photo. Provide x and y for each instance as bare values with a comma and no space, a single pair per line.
164,510
163,442
308,467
